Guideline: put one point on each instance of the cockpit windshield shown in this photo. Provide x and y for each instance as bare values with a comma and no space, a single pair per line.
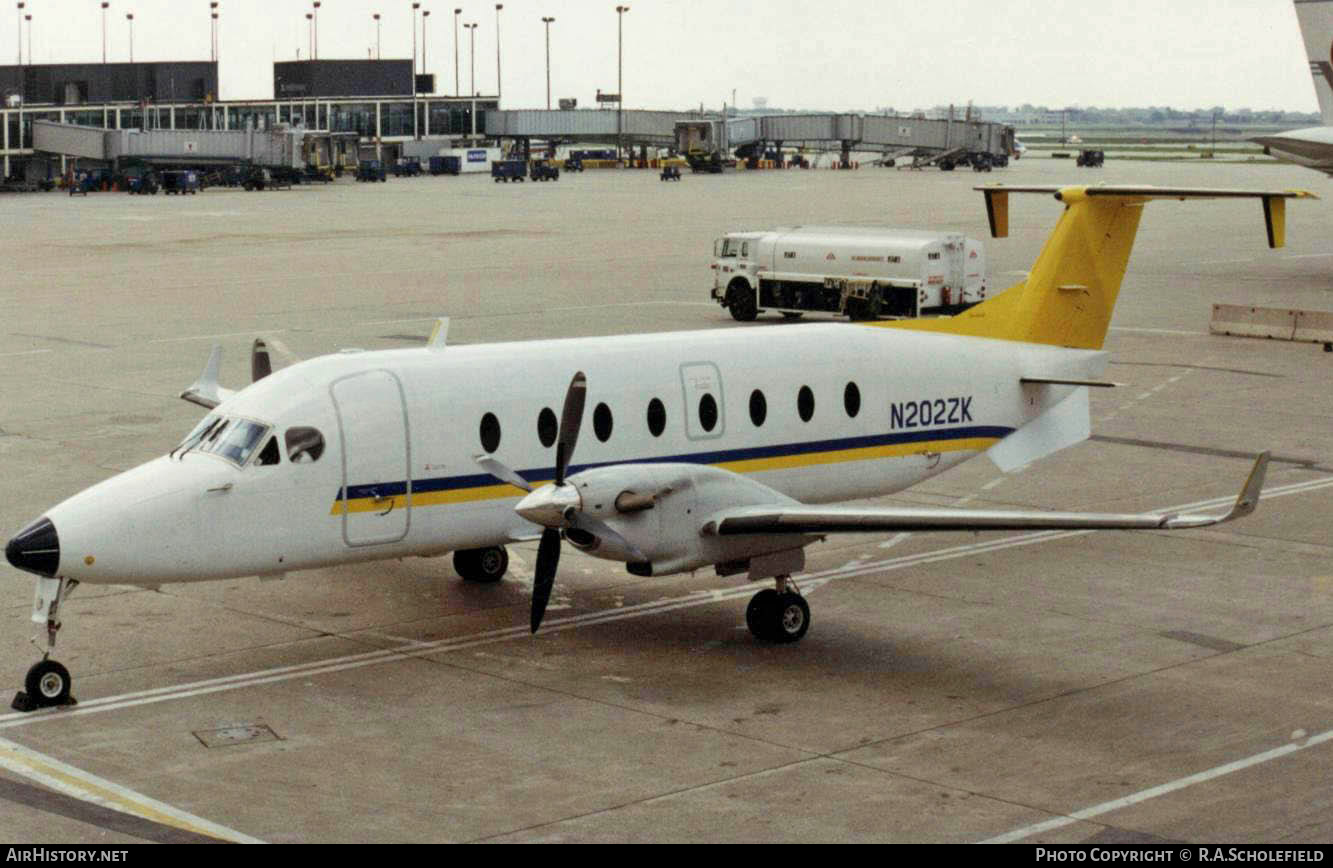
232,439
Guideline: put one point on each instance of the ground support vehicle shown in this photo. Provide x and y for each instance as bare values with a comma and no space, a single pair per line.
183,182
145,184
541,170
508,170
860,272
370,171
574,164
1090,158
450,165
670,173
407,167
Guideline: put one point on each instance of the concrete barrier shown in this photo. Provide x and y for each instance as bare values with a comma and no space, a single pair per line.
1314,326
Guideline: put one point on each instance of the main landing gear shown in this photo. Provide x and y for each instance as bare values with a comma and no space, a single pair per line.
48,682
482,565
778,615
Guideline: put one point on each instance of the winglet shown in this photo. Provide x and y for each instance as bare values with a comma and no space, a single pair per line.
205,391
439,335
1248,500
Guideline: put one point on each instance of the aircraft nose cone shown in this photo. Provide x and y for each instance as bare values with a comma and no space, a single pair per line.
36,549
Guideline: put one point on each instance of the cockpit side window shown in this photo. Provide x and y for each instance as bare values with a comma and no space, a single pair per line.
304,445
270,454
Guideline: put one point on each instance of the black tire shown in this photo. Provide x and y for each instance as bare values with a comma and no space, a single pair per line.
761,614
48,683
741,302
791,618
484,566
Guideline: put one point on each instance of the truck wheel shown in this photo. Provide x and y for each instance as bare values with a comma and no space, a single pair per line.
741,302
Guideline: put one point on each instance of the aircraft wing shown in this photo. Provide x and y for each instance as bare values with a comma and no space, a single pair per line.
806,520
1312,148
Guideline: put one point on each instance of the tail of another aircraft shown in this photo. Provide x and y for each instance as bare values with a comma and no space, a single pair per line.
1070,293
1316,20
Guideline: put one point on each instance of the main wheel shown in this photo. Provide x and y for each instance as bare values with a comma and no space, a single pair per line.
482,565
761,614
741,302
792,618
47,683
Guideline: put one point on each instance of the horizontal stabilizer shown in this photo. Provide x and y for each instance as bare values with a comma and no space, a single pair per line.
801,519
1053,381
206,392
1066,424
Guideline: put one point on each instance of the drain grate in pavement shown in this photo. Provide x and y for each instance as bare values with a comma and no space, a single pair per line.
240,733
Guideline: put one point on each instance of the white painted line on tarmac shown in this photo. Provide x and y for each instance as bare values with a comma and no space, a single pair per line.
1155,331
559,625
25,353
65,778
1162,789
251,333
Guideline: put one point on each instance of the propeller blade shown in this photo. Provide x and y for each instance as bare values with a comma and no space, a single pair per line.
502,471
571,417
260,363
543,580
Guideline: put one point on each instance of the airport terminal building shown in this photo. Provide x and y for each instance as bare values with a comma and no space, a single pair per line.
373,99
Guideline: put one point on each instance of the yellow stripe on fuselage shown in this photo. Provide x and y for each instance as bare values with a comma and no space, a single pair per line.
746,466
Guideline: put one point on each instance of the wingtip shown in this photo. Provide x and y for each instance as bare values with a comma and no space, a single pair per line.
1248,500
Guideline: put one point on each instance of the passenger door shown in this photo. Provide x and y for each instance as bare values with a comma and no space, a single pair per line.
377,484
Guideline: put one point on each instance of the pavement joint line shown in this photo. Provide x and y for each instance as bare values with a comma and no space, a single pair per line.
80,784
1162,789
370,658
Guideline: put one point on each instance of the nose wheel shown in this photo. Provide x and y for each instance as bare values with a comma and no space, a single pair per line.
778,616
48,682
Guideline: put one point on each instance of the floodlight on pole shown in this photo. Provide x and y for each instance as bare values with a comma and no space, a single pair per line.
472,54
425,13
20,20
498,88
129,16
105,4
315,49
547,21
620,79
458,90
376,16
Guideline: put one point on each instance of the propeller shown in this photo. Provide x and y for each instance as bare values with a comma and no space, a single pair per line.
548,551
558,506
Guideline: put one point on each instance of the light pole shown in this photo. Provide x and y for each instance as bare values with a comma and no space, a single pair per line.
547,21
315,47
20,20
458,90
310,35
620,80
472,54
28,18
213,35
425,13
105,4
415,7
129,16
376,16
498,7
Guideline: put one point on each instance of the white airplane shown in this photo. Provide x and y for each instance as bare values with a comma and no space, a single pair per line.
1311,147
707,448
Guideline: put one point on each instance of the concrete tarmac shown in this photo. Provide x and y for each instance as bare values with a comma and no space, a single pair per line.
1107,687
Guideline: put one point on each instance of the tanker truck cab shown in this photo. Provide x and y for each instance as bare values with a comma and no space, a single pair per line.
736,270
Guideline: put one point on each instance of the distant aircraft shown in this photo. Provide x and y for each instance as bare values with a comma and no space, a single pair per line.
708,448
1311,147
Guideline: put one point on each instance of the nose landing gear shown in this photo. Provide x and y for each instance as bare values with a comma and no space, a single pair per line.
778,615
48,682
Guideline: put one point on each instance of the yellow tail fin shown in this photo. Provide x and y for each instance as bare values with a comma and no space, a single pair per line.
1069,295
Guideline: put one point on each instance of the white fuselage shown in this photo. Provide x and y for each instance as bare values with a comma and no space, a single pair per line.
400,431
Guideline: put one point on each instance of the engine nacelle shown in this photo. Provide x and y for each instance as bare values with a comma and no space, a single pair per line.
659,509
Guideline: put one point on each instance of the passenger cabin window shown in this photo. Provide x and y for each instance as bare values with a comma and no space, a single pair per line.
547,427
656,417
304,445
745,249
758,408
805,403
601,422
851,400
490,432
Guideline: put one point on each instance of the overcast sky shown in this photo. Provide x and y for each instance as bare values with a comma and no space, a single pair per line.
804,54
